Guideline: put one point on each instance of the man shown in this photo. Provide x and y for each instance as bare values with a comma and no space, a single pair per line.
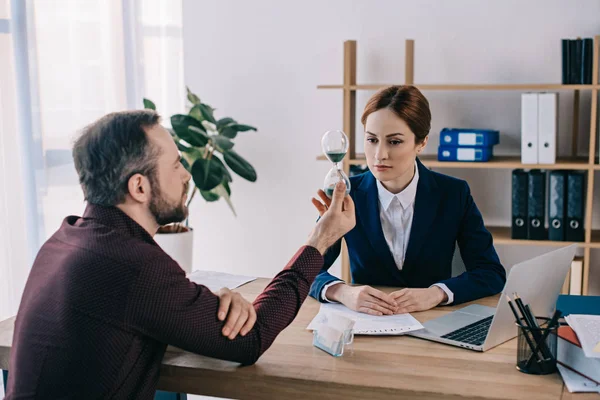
103,300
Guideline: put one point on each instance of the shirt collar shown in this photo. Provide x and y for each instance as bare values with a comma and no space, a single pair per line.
406,197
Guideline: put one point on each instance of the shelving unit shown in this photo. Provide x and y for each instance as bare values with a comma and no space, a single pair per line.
501,235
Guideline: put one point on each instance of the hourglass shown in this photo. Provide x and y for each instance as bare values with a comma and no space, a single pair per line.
335,147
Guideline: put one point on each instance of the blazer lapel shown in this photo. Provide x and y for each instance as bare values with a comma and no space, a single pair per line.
367,207
426,205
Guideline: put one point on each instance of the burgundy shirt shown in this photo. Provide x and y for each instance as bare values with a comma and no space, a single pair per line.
103,300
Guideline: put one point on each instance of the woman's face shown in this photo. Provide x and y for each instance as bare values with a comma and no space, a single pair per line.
390,146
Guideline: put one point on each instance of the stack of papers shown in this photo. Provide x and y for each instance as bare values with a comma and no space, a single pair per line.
369,324
587,328
575,382
214,281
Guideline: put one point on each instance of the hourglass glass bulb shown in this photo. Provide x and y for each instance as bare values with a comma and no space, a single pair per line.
335,145
332,178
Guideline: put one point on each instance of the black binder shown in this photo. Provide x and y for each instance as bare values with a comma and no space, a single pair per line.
575,206
557,205
575,60
536,206
566,62
519,204
587,58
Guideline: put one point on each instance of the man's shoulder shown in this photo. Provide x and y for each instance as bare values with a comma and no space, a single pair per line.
94,241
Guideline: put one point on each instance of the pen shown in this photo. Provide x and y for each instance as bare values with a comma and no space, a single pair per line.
518,319
553,321
533,325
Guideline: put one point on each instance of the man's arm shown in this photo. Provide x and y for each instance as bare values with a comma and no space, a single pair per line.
165,305
173,310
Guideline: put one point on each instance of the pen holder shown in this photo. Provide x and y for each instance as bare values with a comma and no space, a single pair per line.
536,347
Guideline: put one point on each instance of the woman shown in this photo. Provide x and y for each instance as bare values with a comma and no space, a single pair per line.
409,220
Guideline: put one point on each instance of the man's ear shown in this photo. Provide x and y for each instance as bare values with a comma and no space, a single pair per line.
138,187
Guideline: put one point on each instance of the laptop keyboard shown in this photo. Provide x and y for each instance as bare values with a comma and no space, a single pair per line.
472,334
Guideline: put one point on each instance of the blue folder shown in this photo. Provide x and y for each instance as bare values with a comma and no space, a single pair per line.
572,304
455,153
469,137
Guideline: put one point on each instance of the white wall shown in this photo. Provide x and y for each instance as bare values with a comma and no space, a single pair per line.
260,62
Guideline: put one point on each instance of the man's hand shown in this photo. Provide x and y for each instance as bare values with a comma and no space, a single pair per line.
337,218
412,300
240,313
364,299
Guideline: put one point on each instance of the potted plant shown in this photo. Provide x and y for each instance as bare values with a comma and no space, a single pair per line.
206,146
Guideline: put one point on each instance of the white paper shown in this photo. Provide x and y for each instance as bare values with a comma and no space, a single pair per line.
587,328
575,382
216,280
370,324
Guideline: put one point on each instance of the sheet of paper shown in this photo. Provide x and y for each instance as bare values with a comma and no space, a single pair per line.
575,382
217,280
587,328
370,324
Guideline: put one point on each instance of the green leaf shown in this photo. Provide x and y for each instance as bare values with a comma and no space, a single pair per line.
239,165
227,188
192,97
195,113
232,130
181,124
209,196
223,122
182,147
223,190
199,134
207,112
243,128
223,144
207,174
229,132
148,104
228,176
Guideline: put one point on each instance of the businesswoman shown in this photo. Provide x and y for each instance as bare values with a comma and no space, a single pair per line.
408,221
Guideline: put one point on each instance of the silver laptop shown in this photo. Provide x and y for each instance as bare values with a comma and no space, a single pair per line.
537,281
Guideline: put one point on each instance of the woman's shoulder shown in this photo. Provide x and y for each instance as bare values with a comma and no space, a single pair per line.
447,182
357,180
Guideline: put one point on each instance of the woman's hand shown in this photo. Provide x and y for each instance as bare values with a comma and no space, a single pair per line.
412,300
364,299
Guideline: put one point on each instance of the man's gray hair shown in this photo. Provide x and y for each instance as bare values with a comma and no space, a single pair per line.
112,150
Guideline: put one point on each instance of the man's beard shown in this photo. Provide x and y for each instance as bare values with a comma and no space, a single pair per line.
164,212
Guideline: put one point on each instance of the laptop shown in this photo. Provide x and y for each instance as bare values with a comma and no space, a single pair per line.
537,281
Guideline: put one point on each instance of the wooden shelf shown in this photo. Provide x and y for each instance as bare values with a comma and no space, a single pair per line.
501,235
498,162
468,87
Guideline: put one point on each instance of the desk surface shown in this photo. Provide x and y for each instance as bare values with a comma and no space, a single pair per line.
379,367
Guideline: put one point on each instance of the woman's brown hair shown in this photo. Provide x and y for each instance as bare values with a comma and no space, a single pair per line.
408,103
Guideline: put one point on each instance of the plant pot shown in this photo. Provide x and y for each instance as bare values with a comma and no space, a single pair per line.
178,245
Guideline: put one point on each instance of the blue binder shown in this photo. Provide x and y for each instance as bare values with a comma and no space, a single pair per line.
455,153
469,137
573,304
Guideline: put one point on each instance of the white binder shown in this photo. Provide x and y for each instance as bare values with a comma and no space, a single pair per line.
547,127
529,128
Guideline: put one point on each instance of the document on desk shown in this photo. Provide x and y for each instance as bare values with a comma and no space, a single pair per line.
587,328
217,280
575,382
370,324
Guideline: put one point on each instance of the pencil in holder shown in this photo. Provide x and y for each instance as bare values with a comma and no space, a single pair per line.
536,346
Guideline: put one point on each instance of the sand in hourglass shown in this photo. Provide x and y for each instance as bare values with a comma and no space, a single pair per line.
335,156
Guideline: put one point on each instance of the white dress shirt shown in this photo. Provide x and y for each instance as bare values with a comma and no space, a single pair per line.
396,215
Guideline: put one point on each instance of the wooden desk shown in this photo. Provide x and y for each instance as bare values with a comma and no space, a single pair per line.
379,368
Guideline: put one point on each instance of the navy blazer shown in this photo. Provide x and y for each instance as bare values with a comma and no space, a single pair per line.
444,214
